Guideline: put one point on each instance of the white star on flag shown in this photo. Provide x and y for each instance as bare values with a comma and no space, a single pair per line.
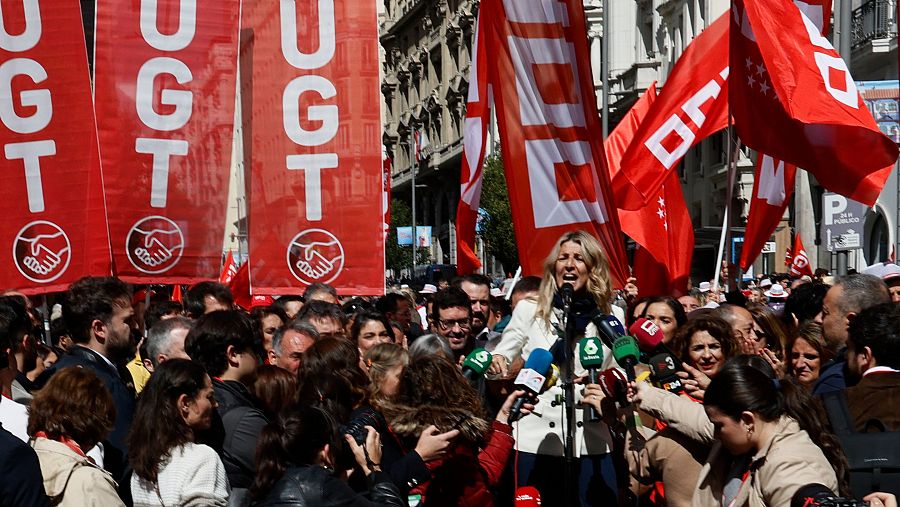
760,69
661,212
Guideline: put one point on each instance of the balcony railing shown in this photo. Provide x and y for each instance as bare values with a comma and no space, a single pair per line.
873,20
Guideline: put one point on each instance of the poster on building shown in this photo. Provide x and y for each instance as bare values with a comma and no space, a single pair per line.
422,237
881,97
843,222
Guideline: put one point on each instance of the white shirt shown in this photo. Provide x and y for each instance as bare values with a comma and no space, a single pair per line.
14,418
194,475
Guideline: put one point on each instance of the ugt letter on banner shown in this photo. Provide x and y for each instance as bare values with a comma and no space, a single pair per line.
310,86
165,79
51,197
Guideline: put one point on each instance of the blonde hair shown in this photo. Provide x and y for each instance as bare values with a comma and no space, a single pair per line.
381,359
598,283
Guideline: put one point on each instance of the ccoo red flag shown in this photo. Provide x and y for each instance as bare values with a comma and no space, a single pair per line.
800,263
773,186
794,99
663,227
229,268
547,117
692,106
478,117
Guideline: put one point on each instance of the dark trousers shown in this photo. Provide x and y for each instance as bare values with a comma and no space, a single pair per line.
594,480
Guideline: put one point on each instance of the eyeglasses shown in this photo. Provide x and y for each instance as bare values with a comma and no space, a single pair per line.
449,323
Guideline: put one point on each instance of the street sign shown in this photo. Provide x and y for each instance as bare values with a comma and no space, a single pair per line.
843,222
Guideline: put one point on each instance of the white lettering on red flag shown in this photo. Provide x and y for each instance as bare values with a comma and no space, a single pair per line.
773,186
309,80
51,196
549,129
165,75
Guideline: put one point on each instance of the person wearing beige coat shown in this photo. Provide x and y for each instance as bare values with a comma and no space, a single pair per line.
72,479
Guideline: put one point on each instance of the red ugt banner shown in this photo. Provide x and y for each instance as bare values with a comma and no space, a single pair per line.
165,83
311,89
51,197
773,186
554,161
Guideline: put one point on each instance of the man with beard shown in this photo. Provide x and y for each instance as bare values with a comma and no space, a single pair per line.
100,320
478,288
451,319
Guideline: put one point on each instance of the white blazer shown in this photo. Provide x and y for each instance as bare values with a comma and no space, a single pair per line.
543,432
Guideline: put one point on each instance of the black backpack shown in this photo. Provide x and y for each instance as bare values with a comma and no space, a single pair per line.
874,457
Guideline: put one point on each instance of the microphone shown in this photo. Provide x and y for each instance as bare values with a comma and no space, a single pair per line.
527,496
663,367
650,340
614,385
531,379
626,352
590,352
565,292
475,364
610,328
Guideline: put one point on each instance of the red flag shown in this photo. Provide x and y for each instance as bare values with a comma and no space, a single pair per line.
53,230
663,227
773,186
478,117
788,258
240,287
313,128
547,117
229,268
692,106
800,263
176,294
794,99
165,79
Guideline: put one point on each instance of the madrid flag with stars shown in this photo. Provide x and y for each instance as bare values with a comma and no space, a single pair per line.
793,99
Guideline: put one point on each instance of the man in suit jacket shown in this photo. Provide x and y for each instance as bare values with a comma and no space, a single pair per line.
100,320
873,352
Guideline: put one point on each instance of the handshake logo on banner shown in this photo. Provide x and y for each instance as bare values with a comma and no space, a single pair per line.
154,244
315,255
42,251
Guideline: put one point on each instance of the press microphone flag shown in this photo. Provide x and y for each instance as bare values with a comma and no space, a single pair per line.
663,367
626,352
590,353
531,379
476,363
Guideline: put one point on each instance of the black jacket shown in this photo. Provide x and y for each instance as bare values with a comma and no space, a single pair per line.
314,486
21,484
240,423
117,380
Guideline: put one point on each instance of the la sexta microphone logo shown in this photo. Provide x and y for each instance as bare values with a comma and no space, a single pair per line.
315,255
42,251
154,244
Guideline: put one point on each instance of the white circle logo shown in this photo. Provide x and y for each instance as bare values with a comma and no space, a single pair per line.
42,251
315,255
154,244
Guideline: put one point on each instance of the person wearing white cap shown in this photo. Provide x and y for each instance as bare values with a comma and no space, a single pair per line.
890,273
428,290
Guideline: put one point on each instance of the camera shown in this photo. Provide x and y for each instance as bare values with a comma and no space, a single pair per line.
817,495
834,501
356,427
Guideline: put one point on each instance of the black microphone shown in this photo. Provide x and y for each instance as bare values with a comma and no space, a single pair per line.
566,292
610,328
662,368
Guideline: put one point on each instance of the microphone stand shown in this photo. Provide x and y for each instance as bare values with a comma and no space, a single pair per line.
570,485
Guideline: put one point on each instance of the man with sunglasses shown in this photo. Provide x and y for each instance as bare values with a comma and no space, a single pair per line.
451,319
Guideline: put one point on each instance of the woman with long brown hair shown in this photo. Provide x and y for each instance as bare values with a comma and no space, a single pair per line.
169,467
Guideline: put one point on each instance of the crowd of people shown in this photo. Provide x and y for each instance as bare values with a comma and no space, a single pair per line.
426,397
